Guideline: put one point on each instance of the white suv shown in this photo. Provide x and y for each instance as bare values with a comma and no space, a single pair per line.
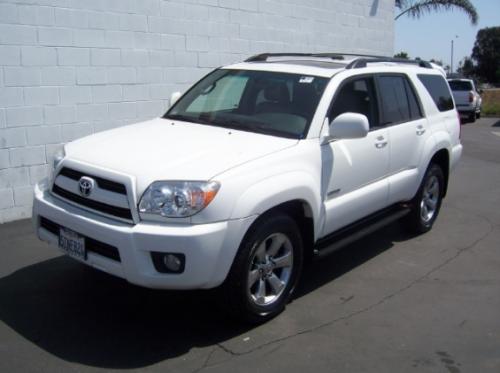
259,166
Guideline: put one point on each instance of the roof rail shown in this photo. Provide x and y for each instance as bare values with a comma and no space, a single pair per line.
264,56
360,62
363,62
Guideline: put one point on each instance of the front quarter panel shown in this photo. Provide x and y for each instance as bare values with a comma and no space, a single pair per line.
255,187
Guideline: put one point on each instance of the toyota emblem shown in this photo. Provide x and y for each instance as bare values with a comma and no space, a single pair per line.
86,184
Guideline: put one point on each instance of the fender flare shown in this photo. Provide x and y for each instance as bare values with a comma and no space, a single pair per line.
279,189
440,141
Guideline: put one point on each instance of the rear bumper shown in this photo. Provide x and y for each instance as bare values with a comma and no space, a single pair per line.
209,249
467,109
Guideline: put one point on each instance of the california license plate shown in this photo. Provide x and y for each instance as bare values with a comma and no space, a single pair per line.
72,243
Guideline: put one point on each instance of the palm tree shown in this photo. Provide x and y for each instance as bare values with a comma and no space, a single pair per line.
416,8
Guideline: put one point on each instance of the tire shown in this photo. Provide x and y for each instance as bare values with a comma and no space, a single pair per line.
266,269
478,115
472,117
427,202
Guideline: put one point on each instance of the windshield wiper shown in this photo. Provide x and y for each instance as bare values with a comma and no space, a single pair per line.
186,118
252,127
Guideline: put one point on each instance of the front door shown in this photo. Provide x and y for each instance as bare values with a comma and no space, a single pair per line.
355,171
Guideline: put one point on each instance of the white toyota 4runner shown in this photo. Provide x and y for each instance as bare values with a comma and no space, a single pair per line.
257,167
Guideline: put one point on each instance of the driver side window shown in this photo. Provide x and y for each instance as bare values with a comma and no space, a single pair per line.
357,96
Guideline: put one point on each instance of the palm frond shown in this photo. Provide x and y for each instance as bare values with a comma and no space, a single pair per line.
401,4
419,8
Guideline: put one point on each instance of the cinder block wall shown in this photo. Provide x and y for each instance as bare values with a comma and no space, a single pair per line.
69,68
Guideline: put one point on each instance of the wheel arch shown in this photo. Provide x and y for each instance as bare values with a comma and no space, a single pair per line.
300,211
442,159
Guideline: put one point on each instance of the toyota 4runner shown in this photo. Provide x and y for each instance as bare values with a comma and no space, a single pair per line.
257,167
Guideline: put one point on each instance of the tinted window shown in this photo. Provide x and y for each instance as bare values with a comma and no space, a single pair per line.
395,106
439,91
415,112
357,96
460,85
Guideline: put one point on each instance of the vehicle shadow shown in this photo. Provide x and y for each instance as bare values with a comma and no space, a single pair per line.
496,124
82,315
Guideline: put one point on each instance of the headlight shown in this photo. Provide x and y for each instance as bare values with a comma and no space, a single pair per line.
177,199
56,160
58,157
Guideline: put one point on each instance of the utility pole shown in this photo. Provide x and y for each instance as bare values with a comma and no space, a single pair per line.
451,64
452,45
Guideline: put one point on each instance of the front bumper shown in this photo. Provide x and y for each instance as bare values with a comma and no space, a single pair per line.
209,248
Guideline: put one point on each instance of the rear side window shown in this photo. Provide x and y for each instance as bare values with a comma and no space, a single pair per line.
399,102
439,91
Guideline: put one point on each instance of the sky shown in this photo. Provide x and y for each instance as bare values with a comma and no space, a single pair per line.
430,36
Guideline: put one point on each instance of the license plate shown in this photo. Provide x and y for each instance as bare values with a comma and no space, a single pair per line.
72,243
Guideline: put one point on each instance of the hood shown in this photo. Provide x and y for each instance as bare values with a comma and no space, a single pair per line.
170,150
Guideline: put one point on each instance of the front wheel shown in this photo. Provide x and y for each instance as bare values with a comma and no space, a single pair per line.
265,270
427,202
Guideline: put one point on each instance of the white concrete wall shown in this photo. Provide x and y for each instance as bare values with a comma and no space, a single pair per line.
69,68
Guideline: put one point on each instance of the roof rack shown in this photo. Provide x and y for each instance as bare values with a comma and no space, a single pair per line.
361,61
264,56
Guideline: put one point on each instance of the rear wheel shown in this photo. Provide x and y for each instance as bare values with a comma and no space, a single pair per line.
265,270
472,117
427,202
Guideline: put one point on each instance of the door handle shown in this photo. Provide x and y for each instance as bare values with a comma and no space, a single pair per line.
381,142
420,130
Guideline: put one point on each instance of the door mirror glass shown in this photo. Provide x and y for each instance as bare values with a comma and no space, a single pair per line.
174,97
349,126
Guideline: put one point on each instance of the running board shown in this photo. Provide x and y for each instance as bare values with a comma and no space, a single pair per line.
358,230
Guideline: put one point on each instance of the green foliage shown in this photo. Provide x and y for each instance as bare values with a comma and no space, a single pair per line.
486,54
402,55
417,8
437,62
467,68
491,102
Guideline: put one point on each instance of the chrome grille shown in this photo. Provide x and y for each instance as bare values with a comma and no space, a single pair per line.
108,197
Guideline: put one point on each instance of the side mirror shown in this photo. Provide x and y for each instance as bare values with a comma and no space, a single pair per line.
349,126
174,97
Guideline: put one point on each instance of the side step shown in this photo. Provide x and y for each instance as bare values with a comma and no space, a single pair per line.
353,232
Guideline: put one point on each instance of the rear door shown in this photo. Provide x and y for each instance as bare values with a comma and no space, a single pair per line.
401,113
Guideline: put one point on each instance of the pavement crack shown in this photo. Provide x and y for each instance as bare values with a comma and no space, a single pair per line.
459,252
207,359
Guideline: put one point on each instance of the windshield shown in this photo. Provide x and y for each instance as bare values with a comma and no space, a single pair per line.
266,102
460,85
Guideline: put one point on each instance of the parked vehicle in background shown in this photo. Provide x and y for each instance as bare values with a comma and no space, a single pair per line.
467,98
256,168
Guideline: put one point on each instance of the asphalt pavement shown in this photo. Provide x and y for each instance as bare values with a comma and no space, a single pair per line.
391,302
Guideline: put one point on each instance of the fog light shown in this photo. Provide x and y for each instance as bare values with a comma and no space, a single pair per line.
169,262
172,262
